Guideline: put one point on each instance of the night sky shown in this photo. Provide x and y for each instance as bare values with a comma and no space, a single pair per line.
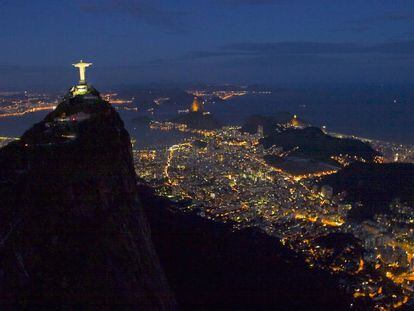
215,41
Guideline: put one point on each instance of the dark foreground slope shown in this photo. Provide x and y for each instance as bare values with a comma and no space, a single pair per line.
213,268
72,234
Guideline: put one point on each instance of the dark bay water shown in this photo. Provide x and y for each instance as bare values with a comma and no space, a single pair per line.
16,126
145,137
380,116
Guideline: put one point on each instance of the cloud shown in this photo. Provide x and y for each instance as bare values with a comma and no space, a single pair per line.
253,2
197,55
5,69
296,48
367,23
352,29
147,11
209,54
391,17
401,47
320,48
249,53
292,60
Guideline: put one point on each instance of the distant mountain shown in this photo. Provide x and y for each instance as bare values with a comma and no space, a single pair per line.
209,266
161,100
271,124
312,143
299,166
375,186
198,120
72,231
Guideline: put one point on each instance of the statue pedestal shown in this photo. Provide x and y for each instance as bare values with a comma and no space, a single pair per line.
80,89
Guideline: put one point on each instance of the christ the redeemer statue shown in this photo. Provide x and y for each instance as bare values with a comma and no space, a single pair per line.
82,70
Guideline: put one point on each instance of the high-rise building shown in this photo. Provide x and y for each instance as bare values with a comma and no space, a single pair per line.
327,191
260,130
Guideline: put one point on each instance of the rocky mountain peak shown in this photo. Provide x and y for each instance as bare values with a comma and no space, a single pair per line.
72,231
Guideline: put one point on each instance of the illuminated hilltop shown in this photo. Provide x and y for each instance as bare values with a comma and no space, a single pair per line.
198,118
197,106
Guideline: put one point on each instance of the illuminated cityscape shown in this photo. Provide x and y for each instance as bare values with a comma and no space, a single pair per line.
223,174
19,104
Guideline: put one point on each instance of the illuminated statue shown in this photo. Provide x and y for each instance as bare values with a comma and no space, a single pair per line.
82,70
82,88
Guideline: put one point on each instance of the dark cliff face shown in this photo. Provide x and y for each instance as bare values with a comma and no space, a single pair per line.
72,232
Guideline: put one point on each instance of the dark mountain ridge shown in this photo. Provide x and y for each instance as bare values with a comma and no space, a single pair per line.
271,123
161,100
375,186
313,143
